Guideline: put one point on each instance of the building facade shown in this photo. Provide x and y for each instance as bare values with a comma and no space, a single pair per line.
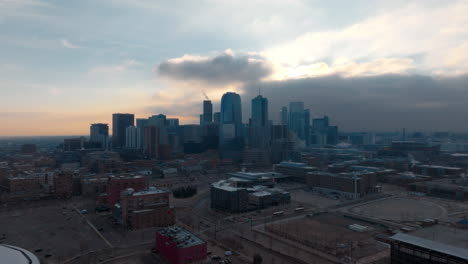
146,208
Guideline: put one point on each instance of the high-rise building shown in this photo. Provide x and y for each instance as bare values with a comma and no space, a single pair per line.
259,111
284,116
132,137
207,112
217,117
307,126
99,134
231,111
320,123
161,122
231,128
151,141
299,120
259,125
322,133
119,123
140,124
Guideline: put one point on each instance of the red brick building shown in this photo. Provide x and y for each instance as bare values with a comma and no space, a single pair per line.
143,209
63,184
118,184
179,246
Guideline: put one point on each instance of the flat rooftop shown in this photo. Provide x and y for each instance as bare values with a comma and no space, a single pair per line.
151,190
295,165
258,175
182,237
458,184
438,167
225,185
444,234
460,250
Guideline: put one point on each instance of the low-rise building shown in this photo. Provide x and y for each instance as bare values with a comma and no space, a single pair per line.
179,246
456,189
432,245
226,197
143,209
118,184
350,185
296,170
237,195
438,171
63,184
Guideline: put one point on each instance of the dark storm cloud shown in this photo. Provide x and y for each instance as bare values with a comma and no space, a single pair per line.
222,69
386,102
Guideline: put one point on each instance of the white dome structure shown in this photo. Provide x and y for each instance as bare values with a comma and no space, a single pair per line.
15,255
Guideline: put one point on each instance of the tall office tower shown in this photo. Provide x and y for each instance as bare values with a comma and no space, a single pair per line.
231,111
99,134
172,125
259,111
173,122
320,123
259,125
140,124
217,117
161,122
151,141
284,116
132,137
307,126
231,129
207,112
322,133
296,122
119,123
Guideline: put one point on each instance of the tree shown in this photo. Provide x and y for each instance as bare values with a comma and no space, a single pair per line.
257,259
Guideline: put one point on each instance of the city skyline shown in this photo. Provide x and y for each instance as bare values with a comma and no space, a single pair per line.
162,58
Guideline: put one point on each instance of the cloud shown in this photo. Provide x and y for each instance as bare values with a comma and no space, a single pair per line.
415,37
67,44
384,102
222,69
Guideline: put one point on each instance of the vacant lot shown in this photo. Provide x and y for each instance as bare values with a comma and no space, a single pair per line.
310,199
52,229
401,209
330,234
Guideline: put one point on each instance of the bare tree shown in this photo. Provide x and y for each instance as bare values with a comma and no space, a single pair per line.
257,259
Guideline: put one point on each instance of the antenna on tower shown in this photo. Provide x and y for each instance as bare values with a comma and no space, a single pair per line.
206,96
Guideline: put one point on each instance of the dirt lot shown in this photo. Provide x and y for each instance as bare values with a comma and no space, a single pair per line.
330,234
401,209
51,228
310,199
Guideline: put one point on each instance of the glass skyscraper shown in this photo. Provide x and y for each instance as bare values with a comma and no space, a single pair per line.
231,140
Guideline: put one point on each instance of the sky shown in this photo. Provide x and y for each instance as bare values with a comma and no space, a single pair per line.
369,65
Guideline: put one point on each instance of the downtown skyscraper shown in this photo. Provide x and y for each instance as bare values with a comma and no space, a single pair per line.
99,135
231,140
207,116
259,123
299,120
119,123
